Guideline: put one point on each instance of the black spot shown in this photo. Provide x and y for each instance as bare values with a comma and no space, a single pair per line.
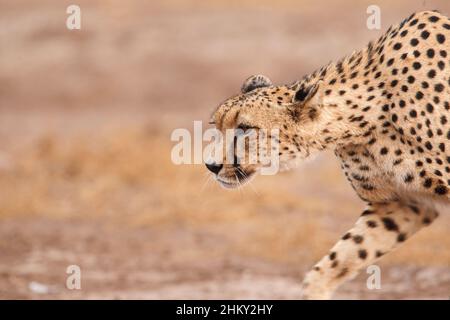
346,236
301,94
425,34
401,237
394,117
408,178
439,87
419,95
440,38
428,182
389,224
358,239
441,190
433,19
398,46
362,254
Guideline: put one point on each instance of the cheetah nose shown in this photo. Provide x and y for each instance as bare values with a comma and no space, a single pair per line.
213,167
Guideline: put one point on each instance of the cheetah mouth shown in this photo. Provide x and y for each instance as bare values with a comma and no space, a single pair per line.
240,179
227,184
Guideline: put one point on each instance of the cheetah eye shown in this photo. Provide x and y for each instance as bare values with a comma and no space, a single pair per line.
246,127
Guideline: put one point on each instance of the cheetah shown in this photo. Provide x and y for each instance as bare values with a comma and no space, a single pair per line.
385,112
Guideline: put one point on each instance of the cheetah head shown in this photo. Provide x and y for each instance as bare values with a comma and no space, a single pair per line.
280,117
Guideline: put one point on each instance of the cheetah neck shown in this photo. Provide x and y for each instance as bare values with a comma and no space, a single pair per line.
350,106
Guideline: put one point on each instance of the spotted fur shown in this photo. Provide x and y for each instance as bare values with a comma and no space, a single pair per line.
385,112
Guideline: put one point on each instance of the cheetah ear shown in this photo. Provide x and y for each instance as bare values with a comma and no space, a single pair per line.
311,93
257,81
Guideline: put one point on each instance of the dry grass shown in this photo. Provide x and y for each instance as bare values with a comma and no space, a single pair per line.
127,178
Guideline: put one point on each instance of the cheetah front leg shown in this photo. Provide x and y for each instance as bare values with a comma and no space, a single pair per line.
380,229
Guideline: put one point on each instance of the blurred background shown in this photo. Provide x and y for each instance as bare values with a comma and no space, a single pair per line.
85,172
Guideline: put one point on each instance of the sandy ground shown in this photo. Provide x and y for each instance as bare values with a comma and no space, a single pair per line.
119,263
85,171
